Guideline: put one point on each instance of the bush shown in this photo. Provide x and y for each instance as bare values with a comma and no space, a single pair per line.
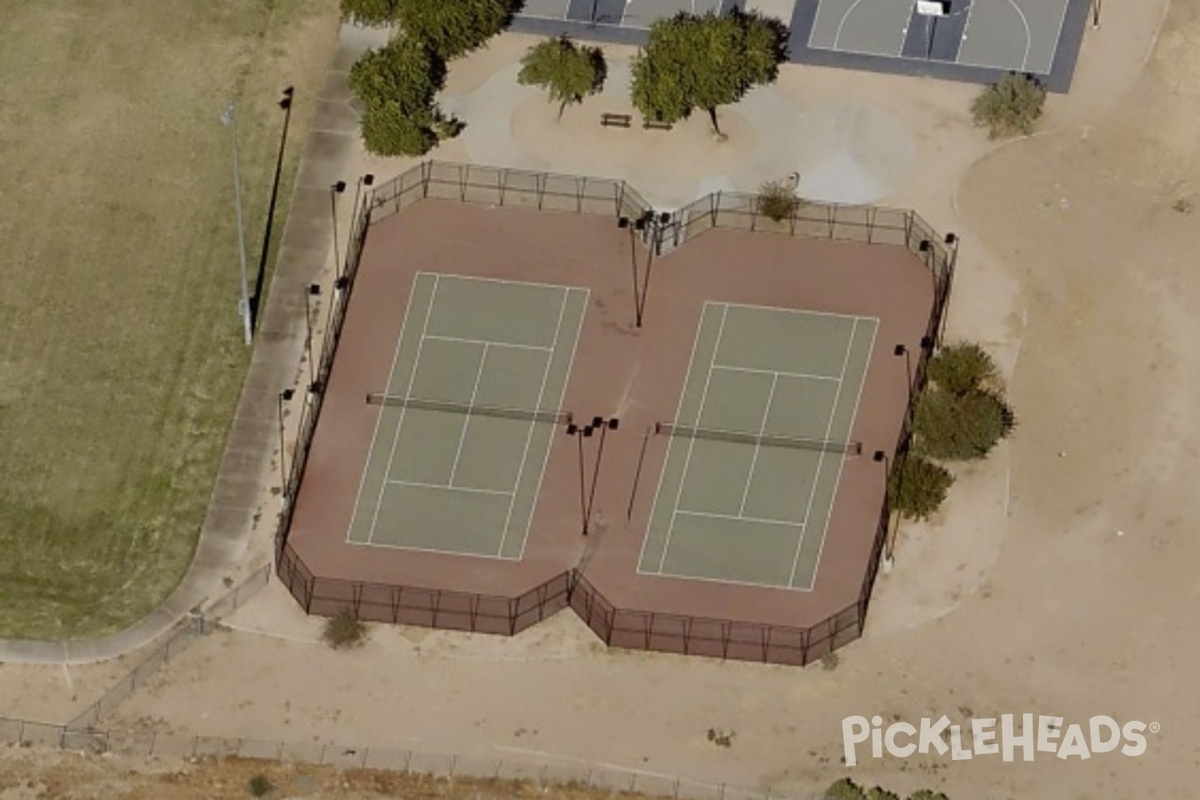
846,789
777,201
960,427
1010,107
962,368
918,487
371,13
344,631
260,786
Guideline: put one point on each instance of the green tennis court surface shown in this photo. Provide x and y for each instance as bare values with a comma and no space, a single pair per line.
757,512
465,481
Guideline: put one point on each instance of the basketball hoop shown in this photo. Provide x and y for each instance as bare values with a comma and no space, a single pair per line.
933,8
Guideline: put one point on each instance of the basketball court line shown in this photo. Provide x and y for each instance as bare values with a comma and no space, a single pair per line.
1028,38
821,457
687,460
512,501
833,502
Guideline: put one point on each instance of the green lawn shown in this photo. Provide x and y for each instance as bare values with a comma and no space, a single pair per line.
121,356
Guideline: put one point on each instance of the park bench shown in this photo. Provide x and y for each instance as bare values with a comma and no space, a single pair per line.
655,125
616,120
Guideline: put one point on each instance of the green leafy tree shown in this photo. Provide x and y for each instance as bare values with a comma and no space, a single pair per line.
960,427
398,85
704,62
927,794
879,793
454,27
1011,107
566,71
845,789
372,13
918,487
962,368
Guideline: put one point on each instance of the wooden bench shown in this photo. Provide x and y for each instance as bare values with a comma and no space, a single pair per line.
655,125
616,120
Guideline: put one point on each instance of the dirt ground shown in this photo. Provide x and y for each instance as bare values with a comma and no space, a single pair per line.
1060,580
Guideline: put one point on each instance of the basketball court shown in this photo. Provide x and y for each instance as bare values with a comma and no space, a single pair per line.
755,452
958,39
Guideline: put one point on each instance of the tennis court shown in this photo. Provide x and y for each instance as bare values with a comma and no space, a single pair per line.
756,449
466,420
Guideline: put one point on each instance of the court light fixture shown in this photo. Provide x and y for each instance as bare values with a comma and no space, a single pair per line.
926,343
622,222
879,456
925,246
951,238
900,350
286,101
334,191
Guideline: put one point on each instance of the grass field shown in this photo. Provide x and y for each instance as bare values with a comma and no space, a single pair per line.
121,356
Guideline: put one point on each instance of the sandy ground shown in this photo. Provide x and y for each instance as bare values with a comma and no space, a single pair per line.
1058,580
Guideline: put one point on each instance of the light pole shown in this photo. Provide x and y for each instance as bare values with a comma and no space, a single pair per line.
580,433
334,191
889,541
313,290
284,396
229,119
339,286
604,426
363,180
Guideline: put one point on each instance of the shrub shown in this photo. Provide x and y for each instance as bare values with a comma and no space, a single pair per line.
344,630
777,200
566,71
1010,107
918,487
371,13
962,368
260,786
960,427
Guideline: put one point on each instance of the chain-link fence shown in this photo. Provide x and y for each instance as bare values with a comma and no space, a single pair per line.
177,639
524,772
628,628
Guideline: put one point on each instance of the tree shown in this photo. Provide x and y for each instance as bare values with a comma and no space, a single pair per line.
371,13
705,62
398,85
454,27
1010,107
566,71
846,789
960,427
962,368
917,487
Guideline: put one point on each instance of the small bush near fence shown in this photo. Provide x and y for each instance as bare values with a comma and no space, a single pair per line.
344,631
777,201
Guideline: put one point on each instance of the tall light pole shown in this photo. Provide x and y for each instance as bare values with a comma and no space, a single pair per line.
334,191
313,290
229,120
284,396
363,180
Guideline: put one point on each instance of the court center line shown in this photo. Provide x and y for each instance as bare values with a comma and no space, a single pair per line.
687,461
448,487
440,338
462,435
400,422
821,459
854,416
512,502
776,373
762,429
379,419
740,518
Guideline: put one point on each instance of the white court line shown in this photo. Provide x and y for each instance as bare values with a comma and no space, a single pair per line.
462,436
1028,39
512,501
435,550
740,518
730,581
833,502
798,311
379,419
400,423
776,373
762,429
687,461
546,454
687,376
484,279
842,23
439,338
446,486
821,459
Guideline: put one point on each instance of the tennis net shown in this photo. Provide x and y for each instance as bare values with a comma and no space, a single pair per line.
530,415
764,440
